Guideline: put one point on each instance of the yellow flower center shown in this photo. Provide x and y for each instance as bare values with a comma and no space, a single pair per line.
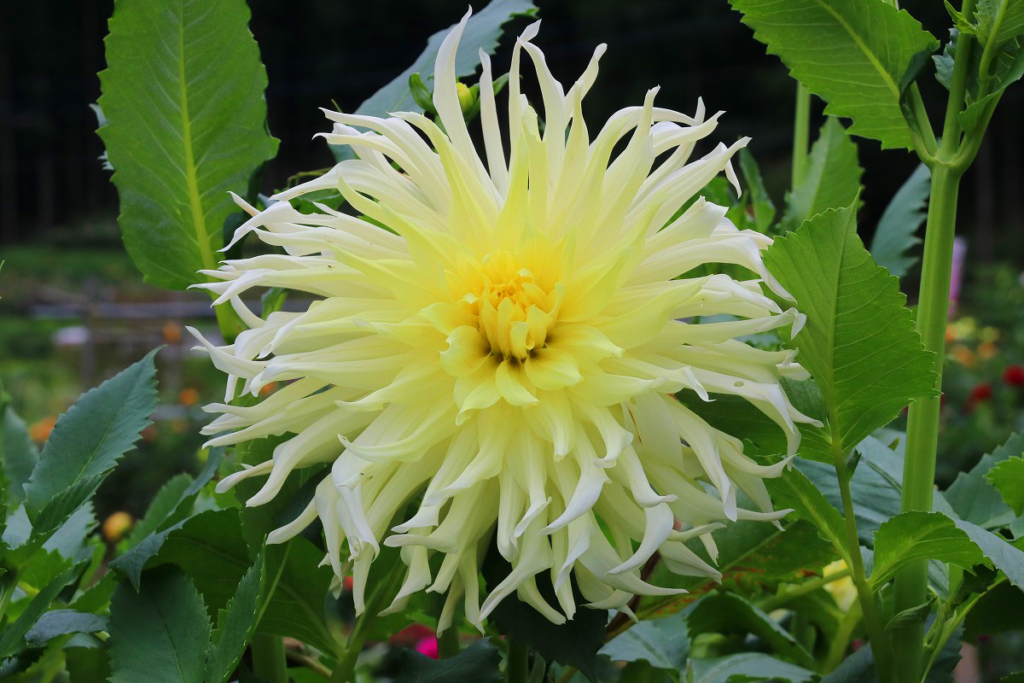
515,309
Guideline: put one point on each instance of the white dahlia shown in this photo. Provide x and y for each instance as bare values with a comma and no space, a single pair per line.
505,354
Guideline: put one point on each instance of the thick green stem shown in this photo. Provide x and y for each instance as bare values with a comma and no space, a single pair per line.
801,132
880,645
268,659
518,667
911,587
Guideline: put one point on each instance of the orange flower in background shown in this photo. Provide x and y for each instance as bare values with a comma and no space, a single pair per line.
988,350
268,389
963,355
40,431
172,332
116,526
188,397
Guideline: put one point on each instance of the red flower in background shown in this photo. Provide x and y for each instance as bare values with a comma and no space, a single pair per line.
979,394
1014,376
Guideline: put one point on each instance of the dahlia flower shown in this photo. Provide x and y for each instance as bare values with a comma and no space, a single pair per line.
495,347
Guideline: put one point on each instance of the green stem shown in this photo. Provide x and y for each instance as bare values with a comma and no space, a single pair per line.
448,642
345,670
801,132
268,659
567,674
911,584
518,667
880,645
841,640
229,323
788,594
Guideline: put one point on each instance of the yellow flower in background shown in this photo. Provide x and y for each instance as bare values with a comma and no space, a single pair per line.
510,347
842,590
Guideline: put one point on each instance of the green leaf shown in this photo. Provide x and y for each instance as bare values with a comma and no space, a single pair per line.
793,490
186,123
909,617
735,415
481,33
211,550
158,635
874,491
1004,68
895,234
663,643
160,508
1008,478
730,614
168,511
574,643
760,203
748,666
859,342
753,557
295,494
62,622
854,54
18,455
236,625
999,21
477,663
974,498
997,611
13,640
1003,556
921,536
832,177
87,442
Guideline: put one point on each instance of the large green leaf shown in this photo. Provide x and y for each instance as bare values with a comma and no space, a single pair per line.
185,124
730,614
481,33
160,634
211,550
62,622
236,625
663,643
1008,478
18,455
87,442
859,341
855,54
832,177
921,536
975,499
168,511
895,234
747,666
477,663
1005,557
13,639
